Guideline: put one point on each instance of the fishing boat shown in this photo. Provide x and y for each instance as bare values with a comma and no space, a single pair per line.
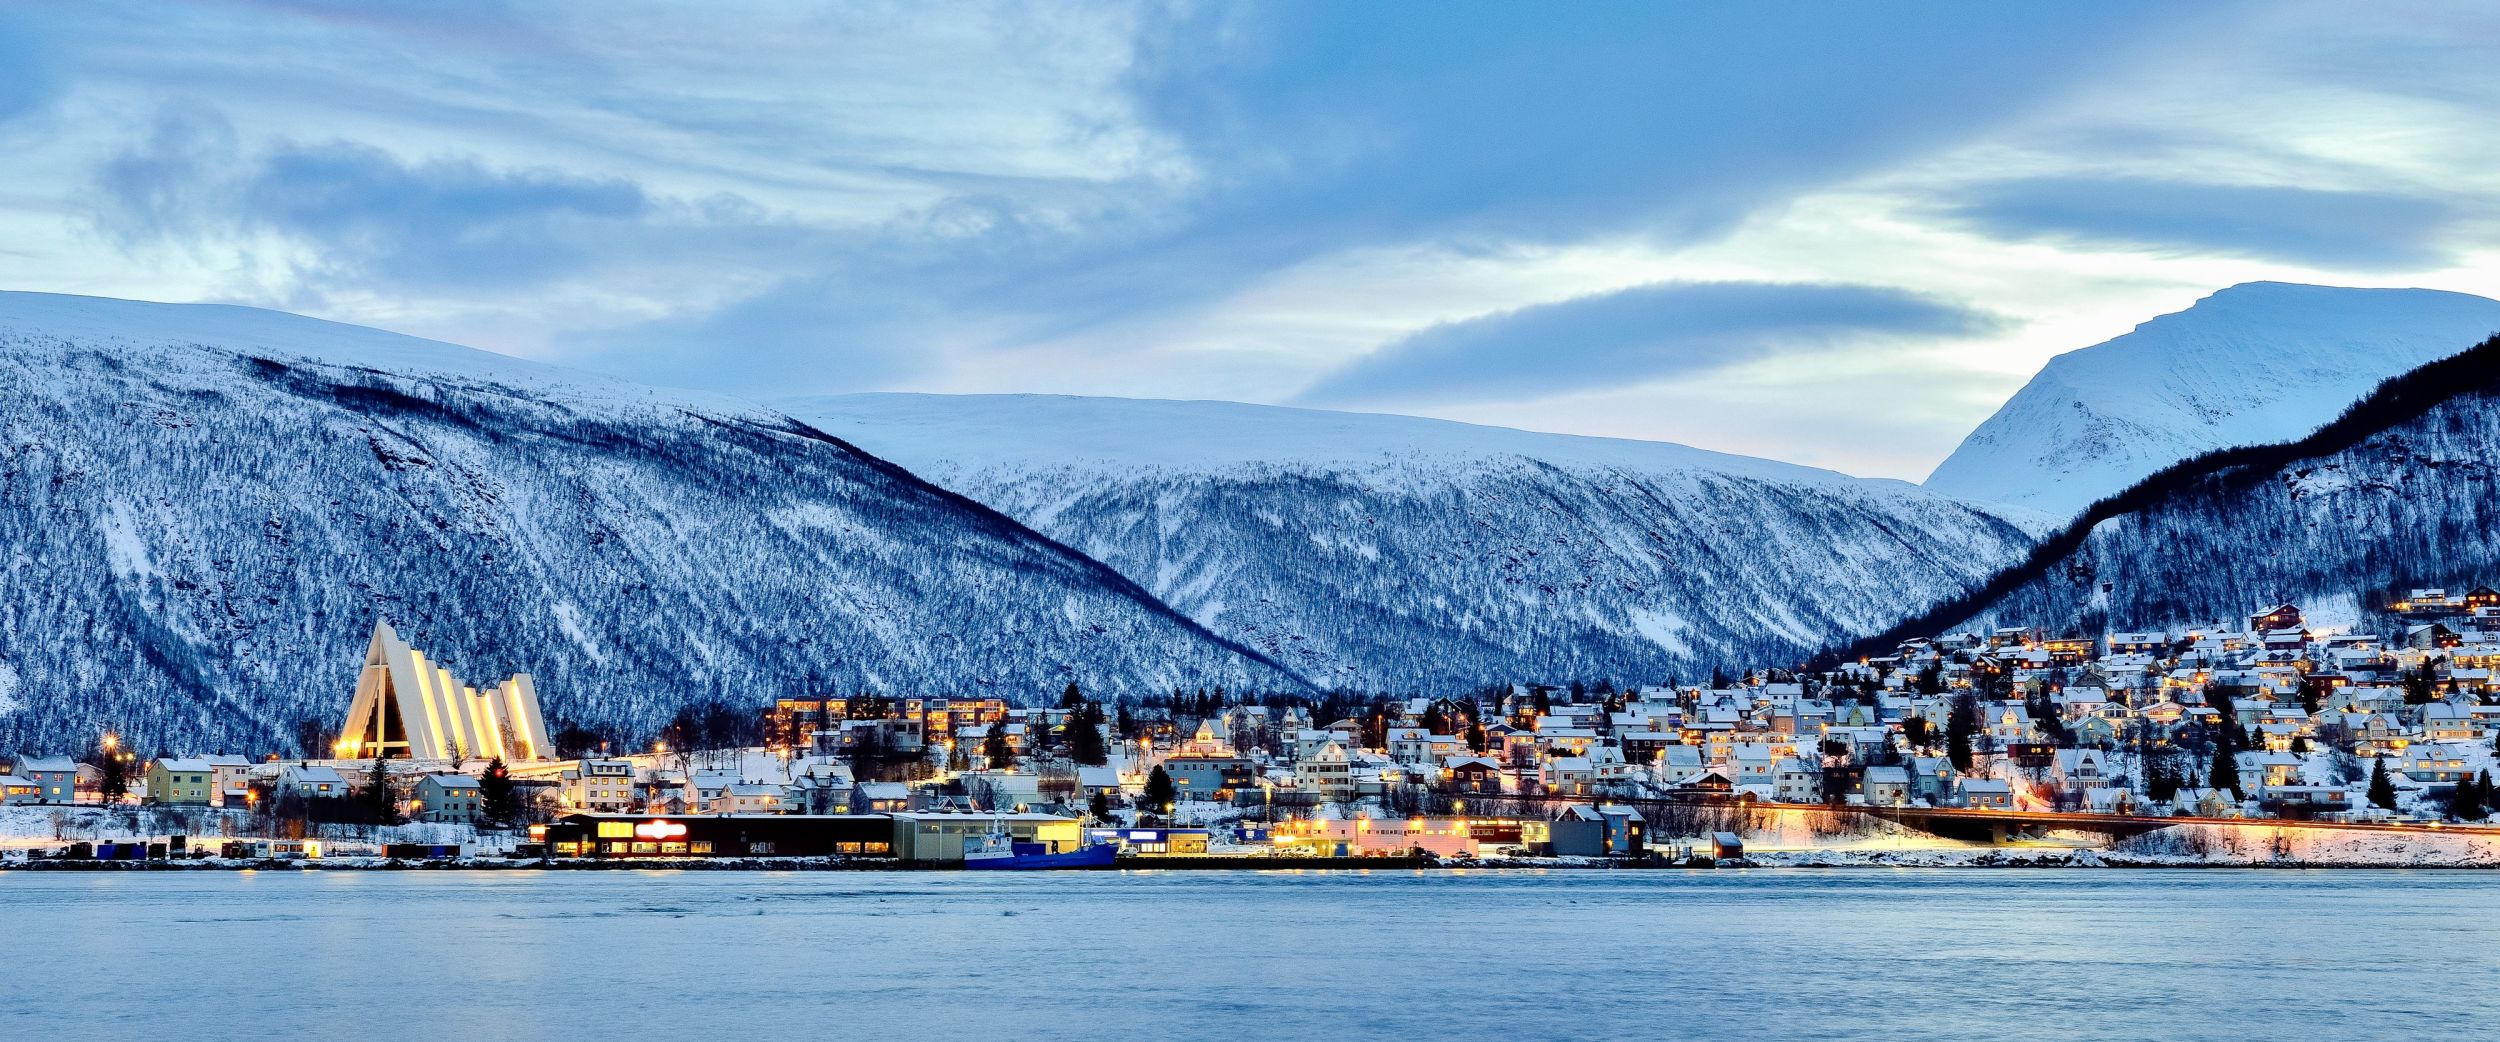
998,851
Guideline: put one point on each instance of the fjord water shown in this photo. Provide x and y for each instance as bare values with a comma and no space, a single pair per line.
1970,954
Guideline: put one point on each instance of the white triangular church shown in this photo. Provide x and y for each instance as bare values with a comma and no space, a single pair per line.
407,706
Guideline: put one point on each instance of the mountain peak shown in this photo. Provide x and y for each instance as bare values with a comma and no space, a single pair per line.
2248,364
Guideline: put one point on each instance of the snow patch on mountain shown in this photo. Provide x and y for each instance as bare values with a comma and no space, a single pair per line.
205,517
2252,364
2340,534
1379,551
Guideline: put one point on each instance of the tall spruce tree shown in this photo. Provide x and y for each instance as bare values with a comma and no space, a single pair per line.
996,749
381,803
498,801
2224,774
1084,735
2161,780
2470,802
1160,792
2382,790
112,775
1960,724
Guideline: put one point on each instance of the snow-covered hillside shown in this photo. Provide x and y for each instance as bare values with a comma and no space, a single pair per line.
1395,552
2416,503
2256,363
203,510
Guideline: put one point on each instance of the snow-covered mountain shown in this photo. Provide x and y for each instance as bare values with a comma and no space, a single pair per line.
1394,552
2253,364
204,509
2404,491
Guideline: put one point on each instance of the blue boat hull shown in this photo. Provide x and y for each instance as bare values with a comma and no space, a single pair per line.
1096,856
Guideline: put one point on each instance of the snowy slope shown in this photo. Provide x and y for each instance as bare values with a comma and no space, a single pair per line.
2413,503
1395,552
2252,364
203,509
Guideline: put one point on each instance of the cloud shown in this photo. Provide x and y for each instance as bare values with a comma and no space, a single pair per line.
29,76
364,216
1319,122
812,333
1631,336
2369,231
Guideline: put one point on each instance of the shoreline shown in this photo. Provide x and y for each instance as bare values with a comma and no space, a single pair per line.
1818,861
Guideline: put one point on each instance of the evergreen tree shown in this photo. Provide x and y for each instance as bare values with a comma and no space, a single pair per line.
2312,694
1477,740
2471,802
2225,772
113,770
1084,735
2161,779
1160,792
380,802
2382,790
1959,725
995,748
498,801
2418,686
1931,679
1098,807
1072,697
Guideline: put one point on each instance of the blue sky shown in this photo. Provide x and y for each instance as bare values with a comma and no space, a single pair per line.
1832,233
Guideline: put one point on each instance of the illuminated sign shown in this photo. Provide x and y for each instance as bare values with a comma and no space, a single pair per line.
662,830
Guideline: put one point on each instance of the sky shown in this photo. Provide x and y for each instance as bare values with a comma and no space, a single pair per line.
1833,233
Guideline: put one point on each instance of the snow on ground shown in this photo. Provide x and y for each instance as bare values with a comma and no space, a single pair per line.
33,826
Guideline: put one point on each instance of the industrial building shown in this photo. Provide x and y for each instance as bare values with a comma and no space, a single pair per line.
743,835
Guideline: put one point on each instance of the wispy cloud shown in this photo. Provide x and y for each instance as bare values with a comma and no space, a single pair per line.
367,220
2359,230
1242,199
1632,336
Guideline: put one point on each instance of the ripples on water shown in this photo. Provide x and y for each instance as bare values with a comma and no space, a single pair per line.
1973,954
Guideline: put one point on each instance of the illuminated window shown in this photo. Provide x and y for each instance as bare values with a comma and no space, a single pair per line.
699,848
616,830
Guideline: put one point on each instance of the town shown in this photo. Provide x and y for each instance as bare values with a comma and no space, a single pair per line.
2011,730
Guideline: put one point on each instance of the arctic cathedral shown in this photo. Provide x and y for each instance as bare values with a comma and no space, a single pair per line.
407,706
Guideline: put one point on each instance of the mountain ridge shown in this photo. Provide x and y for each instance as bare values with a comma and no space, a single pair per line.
2473,373
1339,541
632,548
2255,363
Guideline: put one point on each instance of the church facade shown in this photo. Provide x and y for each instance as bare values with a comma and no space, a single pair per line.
408,706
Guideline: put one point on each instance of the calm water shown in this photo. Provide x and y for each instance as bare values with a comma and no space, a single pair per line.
2002,955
